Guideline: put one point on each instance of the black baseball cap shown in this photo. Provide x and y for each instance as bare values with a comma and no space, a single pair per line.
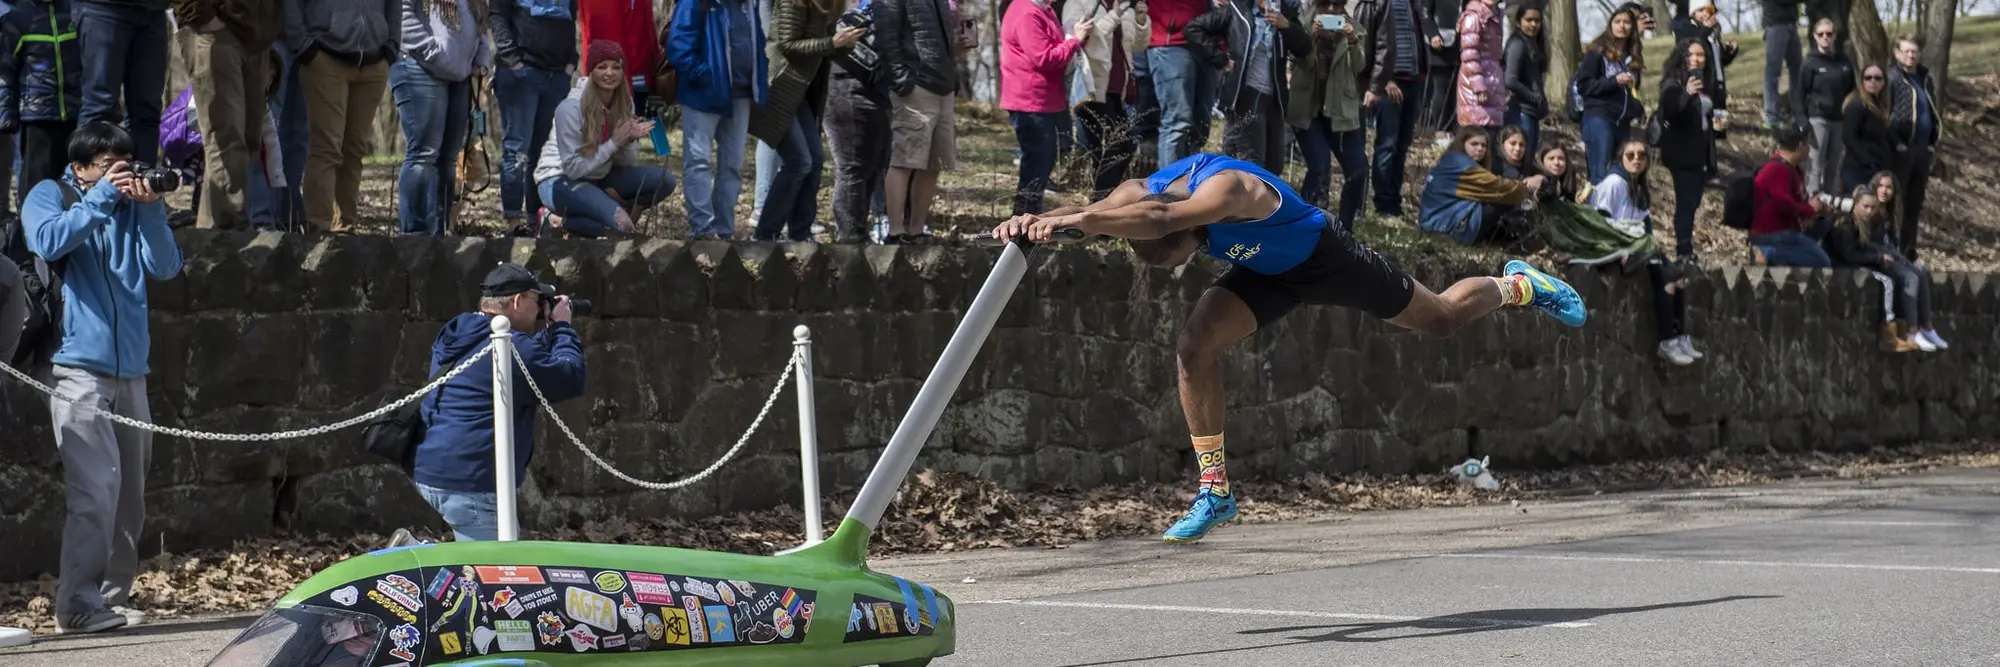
509,279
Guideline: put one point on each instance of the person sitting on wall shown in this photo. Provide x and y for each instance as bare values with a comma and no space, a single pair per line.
454,468
589,174
1906,286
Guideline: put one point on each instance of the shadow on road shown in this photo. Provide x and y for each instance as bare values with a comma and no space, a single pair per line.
1441,626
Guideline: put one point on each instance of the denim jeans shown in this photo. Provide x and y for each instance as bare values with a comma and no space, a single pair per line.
283,208
1531,129
1035,133
1321,146
433,113
767,169
132,59
474,517
793,204
1791,248
1185,87
1781,47
528,99
712,167
1395,128
588,212
1601,139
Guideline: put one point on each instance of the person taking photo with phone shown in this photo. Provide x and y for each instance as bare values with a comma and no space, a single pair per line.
589,173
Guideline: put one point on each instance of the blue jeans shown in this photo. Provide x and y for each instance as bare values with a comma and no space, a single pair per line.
793,204
1036,134
474,517
1601,139
589,213
124,50
1395,127
1185,87
1321,146
1531,129
528,99
1781,47
282,208
712,167
1791,249
434,113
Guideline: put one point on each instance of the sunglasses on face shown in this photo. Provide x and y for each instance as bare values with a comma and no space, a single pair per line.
1872,77
1823,34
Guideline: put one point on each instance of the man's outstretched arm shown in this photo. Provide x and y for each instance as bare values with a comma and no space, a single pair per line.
1224,197
1131,190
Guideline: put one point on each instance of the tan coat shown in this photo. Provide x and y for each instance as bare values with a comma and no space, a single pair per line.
1097,52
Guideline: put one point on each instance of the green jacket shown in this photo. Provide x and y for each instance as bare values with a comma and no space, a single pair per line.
1333,70
800,42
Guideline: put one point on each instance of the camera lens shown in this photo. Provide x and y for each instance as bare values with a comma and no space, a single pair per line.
579,307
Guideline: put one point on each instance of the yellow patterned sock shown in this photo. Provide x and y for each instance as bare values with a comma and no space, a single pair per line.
1515,290
1208,455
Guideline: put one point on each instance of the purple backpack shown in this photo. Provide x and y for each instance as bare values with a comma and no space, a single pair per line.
180,136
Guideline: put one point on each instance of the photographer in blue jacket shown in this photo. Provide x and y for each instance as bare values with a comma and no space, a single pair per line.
104,247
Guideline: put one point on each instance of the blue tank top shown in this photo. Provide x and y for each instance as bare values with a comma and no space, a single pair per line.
1269,246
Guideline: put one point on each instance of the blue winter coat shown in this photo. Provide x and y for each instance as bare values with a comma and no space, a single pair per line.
698,48
41,65
456,452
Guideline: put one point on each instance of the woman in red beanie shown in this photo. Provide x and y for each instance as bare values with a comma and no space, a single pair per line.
589,173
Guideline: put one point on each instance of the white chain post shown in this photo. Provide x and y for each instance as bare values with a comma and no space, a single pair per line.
503,428
808,432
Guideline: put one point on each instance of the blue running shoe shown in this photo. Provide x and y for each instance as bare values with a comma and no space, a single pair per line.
1208,510
1552,296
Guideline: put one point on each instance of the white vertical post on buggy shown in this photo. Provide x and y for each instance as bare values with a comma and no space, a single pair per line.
503,427
942,382
808,433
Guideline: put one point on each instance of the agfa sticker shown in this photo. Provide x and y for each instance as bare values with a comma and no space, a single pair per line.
347,596
587,607
610,582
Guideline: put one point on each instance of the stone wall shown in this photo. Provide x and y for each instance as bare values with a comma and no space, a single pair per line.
1076,386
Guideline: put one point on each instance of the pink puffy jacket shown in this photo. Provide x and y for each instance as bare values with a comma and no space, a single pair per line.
1482,83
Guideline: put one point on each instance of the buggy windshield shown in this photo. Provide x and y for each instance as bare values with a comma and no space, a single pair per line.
304,636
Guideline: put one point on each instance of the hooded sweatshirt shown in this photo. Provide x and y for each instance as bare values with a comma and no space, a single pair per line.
561,157
449,53
349,30
109,247
456,453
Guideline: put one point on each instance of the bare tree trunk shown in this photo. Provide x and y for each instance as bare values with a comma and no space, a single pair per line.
1940,17
1565,49
1870,40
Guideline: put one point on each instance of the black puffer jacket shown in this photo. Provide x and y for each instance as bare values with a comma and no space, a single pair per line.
1866,137
1719,57
1380,54
916,40
41,65
1597,83
1824,82
1527,68
1222,34
545,43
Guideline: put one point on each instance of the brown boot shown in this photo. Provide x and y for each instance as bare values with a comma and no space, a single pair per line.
1896,337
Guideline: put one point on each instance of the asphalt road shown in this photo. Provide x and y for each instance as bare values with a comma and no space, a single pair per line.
1823,572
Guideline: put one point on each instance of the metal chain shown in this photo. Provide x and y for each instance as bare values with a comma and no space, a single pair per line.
521,366
88,410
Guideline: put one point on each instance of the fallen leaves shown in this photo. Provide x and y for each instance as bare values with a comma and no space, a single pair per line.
948,512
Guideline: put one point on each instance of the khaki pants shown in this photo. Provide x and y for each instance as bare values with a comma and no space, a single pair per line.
230,102
340,110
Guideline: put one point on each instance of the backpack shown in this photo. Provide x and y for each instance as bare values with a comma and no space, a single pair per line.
41,286
1739,200
395,434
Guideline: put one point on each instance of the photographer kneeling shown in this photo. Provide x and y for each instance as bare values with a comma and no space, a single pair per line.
454,460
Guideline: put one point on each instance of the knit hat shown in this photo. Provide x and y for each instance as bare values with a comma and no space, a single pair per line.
1699,5
602,50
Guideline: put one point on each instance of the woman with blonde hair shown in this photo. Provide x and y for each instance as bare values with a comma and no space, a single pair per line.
589,174
1853,242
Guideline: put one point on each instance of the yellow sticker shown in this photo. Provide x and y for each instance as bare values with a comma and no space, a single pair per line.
450,642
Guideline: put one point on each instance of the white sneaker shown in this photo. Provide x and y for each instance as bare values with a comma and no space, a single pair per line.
132,616
1923,343
1931,335
11,636
1672,353
1687,346
97,621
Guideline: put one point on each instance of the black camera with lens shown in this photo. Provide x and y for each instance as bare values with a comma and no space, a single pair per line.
160,179
577,307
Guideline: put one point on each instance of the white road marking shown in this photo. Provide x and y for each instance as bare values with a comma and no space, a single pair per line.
1285,612
1750,563
1867,522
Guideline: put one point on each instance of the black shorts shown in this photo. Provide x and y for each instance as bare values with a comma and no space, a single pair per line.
1339,272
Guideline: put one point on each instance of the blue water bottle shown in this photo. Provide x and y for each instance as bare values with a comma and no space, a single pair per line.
660,145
